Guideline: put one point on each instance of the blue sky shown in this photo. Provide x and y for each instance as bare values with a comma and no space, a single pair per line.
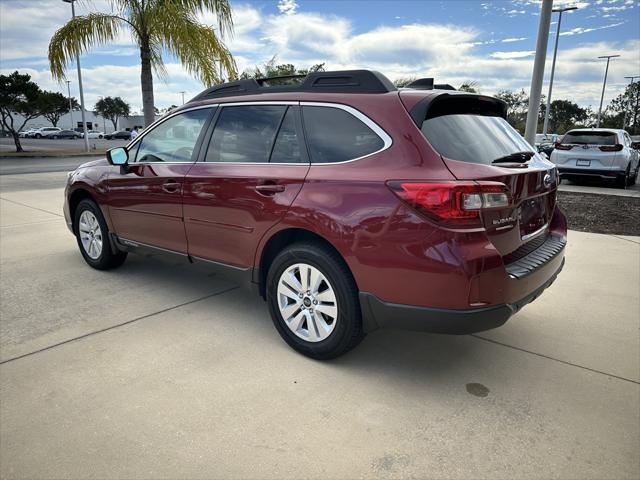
491,42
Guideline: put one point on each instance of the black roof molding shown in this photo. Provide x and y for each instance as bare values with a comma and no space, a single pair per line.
428,84
346,81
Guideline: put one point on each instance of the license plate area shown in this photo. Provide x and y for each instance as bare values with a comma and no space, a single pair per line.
583,163
533,215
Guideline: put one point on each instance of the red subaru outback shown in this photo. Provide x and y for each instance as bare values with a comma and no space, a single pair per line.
348,204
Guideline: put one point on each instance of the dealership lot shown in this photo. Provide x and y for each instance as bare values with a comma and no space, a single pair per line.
45,144
158,369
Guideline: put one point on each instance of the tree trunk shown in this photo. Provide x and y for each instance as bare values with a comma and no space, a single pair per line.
16,140
115,123
146,80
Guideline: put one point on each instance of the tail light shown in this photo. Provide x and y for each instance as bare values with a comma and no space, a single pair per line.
560,146
611,148
456,204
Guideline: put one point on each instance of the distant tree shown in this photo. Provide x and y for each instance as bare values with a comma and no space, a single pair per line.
404,81
627,103
270,69
54,105
517,107
470,86
18,96
112,108
565,115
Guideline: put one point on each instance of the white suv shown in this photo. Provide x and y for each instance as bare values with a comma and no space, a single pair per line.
45,132
597,152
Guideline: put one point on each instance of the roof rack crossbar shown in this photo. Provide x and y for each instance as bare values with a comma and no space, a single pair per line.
347,81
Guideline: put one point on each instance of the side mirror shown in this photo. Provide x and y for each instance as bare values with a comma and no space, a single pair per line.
120,157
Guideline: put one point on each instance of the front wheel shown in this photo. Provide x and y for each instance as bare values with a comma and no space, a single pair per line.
92,235
100,137
38,135
55,137
313,301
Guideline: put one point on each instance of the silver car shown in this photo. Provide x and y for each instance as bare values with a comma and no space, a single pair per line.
597,152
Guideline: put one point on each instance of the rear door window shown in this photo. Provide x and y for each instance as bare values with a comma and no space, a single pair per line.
473,138
589,138
335,135
287,145
245,134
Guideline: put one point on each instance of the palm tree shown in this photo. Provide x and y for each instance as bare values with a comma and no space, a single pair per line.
156,26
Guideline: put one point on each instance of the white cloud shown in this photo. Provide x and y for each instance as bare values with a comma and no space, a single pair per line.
513,39
287,7
581,30
509,55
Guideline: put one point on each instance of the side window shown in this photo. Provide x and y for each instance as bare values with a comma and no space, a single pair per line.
287,146
627,139
174,139
335,135
245,133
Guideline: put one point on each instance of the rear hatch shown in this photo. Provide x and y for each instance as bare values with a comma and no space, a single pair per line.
476,143
592,149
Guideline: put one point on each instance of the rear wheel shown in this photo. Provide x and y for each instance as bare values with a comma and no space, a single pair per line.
38,135
313,301
625,179
92,235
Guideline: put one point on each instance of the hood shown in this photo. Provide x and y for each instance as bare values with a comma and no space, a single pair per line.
101,162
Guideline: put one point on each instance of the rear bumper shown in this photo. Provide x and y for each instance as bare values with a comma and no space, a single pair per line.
590,172
379,314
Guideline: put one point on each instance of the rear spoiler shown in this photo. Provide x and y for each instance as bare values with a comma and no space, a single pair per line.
451,103
428,84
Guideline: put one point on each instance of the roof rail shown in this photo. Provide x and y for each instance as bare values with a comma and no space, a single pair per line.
427,84
346,81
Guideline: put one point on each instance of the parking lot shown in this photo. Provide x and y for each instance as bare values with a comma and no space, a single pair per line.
65,144
163,370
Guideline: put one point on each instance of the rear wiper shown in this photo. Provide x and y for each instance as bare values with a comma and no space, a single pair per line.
517,157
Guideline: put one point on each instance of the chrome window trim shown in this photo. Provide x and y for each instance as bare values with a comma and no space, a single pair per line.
158,122
384,136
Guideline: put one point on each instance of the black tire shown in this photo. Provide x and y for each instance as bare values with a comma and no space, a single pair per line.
38,135
623,180
100,137
55,137
634,176
348,331
107,259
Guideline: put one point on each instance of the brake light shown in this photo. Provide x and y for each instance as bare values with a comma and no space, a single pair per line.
611,148
560,146
453,203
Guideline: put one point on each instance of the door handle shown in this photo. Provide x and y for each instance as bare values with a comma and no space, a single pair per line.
269,189
170,186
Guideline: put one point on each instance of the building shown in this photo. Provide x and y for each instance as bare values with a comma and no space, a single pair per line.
73,120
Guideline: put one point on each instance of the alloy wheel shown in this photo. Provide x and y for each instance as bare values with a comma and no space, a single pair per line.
90,234
307,302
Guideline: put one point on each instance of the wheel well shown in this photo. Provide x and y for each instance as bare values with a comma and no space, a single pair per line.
280,241
76,197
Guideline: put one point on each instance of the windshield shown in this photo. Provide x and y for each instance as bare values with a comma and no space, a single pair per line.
473,138
589,138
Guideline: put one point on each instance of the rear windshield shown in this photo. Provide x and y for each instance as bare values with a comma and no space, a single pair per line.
589,138
473,138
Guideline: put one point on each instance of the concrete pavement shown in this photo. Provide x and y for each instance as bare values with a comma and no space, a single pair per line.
161,370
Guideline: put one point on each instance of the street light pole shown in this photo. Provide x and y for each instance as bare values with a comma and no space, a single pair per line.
538,72
182,97
604,83
626,110
70,104
84,120
553,67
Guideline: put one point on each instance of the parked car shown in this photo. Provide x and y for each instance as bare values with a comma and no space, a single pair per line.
44,132
347,204
597,152
120,134
92,134
65,134
26,133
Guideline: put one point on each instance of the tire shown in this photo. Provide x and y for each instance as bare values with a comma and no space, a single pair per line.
623,180
55,137
634,175
100,137
104,259
338,327
38,135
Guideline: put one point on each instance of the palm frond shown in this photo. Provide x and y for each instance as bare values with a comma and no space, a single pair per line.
195,45
221,8
78,36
